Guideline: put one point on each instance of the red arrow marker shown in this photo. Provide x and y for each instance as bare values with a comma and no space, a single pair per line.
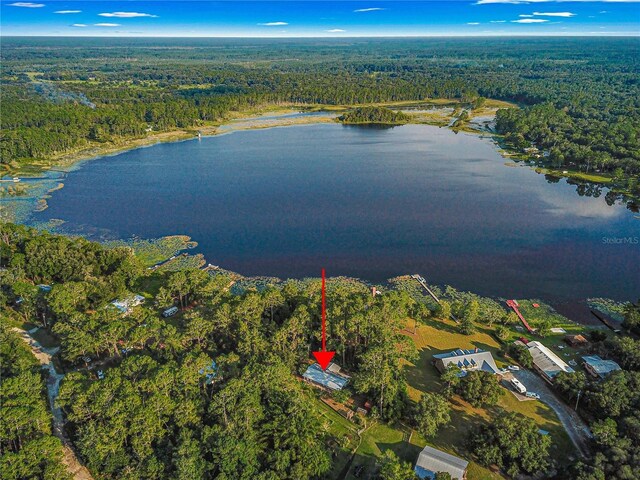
323,357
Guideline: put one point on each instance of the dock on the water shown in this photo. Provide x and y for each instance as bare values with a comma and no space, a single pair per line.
424,284
514,305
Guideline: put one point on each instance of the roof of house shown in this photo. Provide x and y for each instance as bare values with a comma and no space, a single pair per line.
547,361
325,378
469,359
126,304
431,461
576,339
601,366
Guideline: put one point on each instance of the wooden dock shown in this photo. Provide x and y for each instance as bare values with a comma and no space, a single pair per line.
424,284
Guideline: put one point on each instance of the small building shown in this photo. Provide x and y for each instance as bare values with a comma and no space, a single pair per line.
327,379
547,363
599,367
432,461
126,305
576,340
466,360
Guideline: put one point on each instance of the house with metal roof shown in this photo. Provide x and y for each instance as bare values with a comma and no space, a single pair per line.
547,363
599,367
125,306
329,379
432,461
466,360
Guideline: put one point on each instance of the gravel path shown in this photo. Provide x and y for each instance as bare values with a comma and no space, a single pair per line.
574,425
74,467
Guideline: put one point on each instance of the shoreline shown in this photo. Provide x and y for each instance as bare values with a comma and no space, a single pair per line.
271,114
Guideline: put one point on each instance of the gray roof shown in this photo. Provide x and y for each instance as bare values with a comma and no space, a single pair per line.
431,461
325,378
469,360
601,366
547,361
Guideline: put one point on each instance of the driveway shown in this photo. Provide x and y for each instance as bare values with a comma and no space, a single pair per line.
574,425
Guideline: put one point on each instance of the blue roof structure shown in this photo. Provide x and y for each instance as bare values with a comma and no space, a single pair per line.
210,371
325,378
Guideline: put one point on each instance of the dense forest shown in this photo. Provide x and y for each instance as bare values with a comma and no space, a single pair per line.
374,115
579,97
215,392
28,448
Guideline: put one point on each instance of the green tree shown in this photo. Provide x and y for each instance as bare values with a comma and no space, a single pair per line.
513,443
480,388
432,412
395,469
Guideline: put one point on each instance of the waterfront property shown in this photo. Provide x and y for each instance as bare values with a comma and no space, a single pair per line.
599,367
466,360
432,461
330,379
547,363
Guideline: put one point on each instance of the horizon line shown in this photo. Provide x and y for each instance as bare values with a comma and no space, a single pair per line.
343,37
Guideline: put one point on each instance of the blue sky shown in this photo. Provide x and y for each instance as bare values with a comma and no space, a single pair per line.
201,18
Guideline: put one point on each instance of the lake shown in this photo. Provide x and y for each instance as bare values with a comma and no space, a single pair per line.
366,202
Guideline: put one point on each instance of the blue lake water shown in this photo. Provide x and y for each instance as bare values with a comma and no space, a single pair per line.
365,202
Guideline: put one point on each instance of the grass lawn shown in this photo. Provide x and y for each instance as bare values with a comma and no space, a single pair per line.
589,177
544,313
438,336
342,429
379,438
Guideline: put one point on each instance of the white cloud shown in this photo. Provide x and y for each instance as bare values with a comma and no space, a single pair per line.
336,30
529,20
106,24
525,16
126,14
374,9
26,4
554,14
473,23
79,25
63,12
273,24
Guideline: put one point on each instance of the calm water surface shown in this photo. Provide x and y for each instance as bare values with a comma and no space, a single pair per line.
365,202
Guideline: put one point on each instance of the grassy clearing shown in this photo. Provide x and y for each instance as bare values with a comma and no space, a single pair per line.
44,338
437,336
377,439
587,177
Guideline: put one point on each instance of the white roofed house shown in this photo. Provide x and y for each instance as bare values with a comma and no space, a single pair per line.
466,360
125,306
432,461
547,363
